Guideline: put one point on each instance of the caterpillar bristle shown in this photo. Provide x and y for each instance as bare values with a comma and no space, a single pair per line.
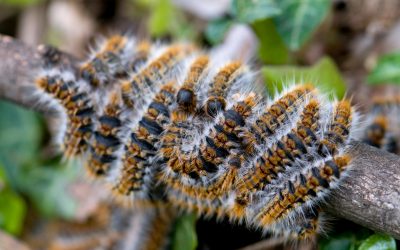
381,129
77,108
339,129
105,140
219,88
186,97
108,62
304,187
157,70
168,127
137,173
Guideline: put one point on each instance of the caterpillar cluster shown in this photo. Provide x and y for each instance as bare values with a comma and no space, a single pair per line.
168,124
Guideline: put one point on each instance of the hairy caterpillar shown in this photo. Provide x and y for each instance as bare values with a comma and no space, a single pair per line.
382,124
110,227
169,125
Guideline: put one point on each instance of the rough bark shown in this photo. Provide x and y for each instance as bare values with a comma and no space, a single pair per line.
370,196
20,64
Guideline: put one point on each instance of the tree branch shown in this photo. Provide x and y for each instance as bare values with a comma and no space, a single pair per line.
19,66
370,196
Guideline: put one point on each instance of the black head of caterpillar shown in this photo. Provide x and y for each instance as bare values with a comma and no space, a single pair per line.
179,130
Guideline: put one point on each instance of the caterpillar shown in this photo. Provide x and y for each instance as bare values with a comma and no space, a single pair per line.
170,126
110,227
382,124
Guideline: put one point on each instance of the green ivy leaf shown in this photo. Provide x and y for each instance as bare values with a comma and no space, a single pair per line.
161,16
12,211
386,70
378,242
21,135
46,187
340,242
272,49
323,74
184,237
249,11
299,19
21,3
216,30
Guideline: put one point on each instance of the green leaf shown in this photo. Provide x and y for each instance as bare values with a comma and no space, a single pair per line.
386,70
21,3
323,74
184,237
21,135
249,11
3,177
340,242
272,49
46,187
378,242
161,16
12,211
299,19
216,30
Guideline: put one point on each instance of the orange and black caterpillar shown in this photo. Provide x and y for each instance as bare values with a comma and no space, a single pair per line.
180,129
109,227
382,124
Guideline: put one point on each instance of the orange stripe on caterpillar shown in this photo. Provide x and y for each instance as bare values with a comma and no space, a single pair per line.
105,140
375,133
141,147
78,108
106,62
159,228
338,129
142,53
214,148
220,85
283,153
215,189
305,187
154,72
274,116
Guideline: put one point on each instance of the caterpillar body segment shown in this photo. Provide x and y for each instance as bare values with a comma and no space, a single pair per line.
223,138
157,228
77,108
106,228
309,185
376,132
275,116
137,172
220,86
106,138
304,225
142,54
109,61
338,129
309,225
382,124
157,70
